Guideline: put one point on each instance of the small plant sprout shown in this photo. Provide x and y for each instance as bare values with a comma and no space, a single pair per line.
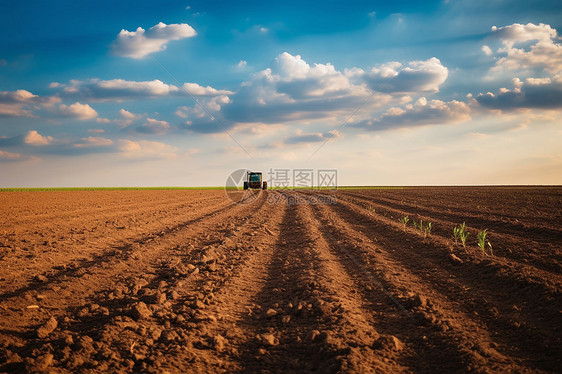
424,229
404,221
461,233
428,228
371,209
482,241
456,233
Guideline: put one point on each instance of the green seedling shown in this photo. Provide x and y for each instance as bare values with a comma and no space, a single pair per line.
371,209
461,233
456,234
405,221
428,229
482,241
424,229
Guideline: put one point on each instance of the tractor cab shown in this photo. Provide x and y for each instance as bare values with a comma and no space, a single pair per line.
254,181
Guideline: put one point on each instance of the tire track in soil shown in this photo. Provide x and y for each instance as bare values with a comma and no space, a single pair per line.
93,321
294,312
220,331
506,235
523,328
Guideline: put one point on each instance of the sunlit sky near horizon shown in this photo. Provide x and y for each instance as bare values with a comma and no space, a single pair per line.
174,93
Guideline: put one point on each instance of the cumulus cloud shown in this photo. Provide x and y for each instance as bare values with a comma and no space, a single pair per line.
416,77
294,90
128,115
17,103
196,90
543,93
144,149
78,111
31,137
153,126
140,43
34,138
528,46
120,89
422,113
93,141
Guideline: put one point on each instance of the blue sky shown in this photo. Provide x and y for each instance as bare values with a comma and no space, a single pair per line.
181,93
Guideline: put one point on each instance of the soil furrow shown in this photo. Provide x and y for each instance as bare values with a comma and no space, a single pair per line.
541,280
399,301
128,275
528,330
504,240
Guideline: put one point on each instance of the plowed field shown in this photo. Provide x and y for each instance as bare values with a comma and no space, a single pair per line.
287,281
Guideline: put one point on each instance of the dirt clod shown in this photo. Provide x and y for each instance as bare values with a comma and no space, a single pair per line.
141,311
388,342
268,339
47,328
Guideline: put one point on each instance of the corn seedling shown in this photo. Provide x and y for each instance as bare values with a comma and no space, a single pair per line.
461,233
424,229
482,241
427,229
456,234
371,209
405,221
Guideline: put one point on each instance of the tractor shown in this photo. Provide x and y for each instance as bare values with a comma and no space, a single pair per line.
254,181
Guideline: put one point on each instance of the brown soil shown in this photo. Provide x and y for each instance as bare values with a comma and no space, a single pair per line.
187,281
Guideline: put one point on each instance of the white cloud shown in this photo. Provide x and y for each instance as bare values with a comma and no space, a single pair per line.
242,65
140,43
541,93
416,77
34,138
487,50
18,96
78,111
193,89
146,149
422,113
128,115
544,53
120,89
15,103
294,90
153,126
93,141
96,131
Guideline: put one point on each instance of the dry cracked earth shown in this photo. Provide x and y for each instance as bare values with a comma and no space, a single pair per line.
280,281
